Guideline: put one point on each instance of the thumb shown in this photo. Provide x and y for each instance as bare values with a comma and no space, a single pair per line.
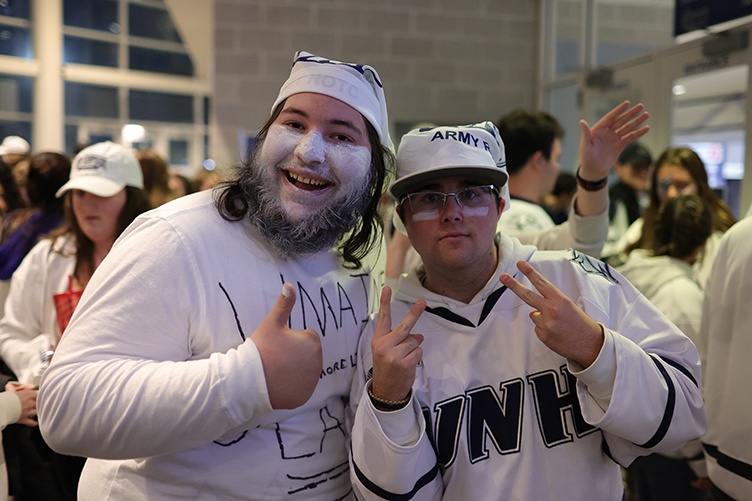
280,313
585,129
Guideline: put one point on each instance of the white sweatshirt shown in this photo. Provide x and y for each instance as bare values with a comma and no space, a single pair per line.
157,379
725,346
495,414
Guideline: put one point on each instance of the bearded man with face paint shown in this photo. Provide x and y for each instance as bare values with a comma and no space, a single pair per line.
501,372
185,373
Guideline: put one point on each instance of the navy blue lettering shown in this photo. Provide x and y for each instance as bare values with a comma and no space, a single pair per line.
552,403
497,419
448,422
366,71
466,137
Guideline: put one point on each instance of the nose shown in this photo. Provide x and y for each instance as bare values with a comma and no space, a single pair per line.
311,149
672,192
452,210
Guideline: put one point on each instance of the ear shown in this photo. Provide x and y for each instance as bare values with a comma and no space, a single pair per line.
537,159
502,204
400,213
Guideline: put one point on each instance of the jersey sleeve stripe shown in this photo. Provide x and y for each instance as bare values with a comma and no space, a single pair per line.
668,413
422,481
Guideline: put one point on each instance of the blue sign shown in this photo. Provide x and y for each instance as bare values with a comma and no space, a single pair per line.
691,15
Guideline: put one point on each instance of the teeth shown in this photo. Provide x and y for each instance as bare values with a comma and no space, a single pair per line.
306,180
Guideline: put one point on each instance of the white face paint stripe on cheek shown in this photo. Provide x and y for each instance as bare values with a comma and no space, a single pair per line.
475,211
466,212
424,216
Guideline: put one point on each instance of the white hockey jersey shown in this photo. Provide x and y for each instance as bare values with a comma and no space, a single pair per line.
495,414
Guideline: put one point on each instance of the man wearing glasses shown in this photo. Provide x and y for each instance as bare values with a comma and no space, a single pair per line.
482,393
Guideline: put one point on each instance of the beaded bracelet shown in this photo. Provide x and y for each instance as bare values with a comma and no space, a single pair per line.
388,405
591,185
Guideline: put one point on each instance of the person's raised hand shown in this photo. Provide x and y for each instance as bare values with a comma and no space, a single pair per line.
292,359
396,352
602,144
27,394
559,323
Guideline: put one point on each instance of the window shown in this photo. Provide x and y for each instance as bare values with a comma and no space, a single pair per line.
15,41
85,51
16,93
90,100
157,106
101,15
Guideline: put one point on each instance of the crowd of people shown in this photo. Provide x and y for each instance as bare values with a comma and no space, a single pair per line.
340,319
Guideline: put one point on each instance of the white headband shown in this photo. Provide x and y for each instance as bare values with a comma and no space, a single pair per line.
357,85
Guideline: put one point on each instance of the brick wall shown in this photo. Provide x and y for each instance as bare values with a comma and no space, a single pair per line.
445,61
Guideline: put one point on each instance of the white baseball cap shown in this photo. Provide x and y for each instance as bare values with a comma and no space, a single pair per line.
357,85
104,169
428,153
14,145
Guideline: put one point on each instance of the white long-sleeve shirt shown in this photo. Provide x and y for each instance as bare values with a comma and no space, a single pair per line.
725,346
495,414
531,224
157,380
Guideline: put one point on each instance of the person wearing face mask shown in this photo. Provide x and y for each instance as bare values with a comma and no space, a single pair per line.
185,373
102,196
678,171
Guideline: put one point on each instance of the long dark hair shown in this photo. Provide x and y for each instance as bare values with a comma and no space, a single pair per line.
723,216
136,203
682,226
12,195
233,206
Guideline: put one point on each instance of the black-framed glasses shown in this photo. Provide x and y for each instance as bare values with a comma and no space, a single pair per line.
429,201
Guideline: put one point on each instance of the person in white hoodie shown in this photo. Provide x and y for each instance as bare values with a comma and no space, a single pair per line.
725,344
534,388
665,275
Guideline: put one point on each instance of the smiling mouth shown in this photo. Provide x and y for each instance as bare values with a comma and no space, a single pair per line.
306,183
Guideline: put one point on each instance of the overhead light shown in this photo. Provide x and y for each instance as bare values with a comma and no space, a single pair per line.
679,90
133,133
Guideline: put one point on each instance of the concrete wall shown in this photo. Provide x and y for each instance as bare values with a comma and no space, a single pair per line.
445,61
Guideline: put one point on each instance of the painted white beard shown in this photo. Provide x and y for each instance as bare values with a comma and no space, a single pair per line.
318,231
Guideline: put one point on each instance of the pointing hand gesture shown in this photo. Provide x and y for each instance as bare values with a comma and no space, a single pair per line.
396,352
559,323
292,359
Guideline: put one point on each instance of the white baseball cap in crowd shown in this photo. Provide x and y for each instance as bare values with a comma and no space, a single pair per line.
428,153
14,145
104,169
357,85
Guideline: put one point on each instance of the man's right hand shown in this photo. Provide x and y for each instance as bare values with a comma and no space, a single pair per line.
292,359
396,352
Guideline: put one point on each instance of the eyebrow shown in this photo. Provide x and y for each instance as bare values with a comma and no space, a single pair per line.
336,121
465,183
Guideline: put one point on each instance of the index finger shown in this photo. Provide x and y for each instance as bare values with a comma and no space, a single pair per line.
384,320
541,283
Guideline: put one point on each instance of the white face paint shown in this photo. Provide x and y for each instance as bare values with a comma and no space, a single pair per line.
315,170
466,212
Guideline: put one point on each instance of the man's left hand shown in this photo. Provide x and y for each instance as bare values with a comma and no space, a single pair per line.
559,323
602,144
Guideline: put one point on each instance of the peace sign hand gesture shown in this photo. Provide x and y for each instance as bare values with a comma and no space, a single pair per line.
559,323
396,352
